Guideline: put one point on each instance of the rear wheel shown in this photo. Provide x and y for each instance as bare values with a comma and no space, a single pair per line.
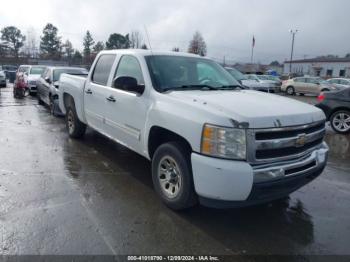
40,102
340,121
76,128
290,91
172,176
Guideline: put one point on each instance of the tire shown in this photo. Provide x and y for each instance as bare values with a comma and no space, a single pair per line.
52,107
40,102
174,186
290,91
75,128
340,122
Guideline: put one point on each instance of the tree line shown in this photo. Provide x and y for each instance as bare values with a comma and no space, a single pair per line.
15,44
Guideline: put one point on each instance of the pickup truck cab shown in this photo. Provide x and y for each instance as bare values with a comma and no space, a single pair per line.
208,139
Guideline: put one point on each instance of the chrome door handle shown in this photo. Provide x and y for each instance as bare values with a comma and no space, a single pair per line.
111,99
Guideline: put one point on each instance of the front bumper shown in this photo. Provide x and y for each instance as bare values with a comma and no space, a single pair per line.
226,184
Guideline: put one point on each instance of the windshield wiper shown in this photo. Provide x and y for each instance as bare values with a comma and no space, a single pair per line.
231,87
191,87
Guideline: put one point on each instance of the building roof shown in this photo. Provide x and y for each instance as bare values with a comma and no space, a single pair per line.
322,60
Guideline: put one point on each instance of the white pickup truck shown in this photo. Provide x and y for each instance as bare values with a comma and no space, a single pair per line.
209,140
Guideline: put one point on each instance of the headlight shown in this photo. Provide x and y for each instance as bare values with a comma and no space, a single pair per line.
229,143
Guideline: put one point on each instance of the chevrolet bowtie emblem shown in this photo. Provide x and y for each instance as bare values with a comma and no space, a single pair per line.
301,140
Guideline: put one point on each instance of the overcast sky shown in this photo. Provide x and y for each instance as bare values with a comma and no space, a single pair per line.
227,25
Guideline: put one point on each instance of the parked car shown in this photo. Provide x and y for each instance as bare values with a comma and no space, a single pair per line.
22,74
336,106
10,72
306,85
33,76
2,79
248,83
265,85
339,83
208,139
271,78
48,85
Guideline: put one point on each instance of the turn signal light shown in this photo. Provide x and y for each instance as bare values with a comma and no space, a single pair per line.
321,97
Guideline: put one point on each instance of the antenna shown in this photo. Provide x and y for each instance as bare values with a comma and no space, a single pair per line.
149,42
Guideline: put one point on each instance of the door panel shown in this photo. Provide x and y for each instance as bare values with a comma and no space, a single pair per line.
126,111
96,91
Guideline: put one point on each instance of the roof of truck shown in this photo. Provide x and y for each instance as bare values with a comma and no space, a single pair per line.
144,52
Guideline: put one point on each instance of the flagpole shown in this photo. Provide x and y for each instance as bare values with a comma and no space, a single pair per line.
253,45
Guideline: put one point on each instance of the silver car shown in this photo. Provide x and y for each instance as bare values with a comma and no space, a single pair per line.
265,85
339,83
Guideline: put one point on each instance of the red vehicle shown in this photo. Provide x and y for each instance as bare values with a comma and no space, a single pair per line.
20,87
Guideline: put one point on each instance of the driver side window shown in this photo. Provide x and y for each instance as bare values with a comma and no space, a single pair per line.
129,66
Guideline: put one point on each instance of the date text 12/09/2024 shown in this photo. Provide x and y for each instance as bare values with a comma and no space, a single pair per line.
173,258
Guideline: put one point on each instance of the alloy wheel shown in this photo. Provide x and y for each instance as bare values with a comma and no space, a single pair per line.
169,177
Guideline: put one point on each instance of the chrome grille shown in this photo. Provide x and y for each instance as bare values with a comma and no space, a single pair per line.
279,144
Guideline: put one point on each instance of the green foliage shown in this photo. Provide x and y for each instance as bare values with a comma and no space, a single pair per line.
13,36
99,46
88,43
118,41
50,44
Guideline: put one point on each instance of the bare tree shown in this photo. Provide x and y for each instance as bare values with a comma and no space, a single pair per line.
136,40
31,47
198,45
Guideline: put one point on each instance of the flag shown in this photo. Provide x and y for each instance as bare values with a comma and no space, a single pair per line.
253,41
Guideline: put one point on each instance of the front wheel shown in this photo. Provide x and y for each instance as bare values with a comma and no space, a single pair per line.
172,176
76,128
340,122
290,91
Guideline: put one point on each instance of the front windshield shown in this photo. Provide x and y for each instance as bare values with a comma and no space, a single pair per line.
37,70
71,71
174,72
236,74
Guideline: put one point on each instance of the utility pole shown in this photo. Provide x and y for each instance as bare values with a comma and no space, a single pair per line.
293,32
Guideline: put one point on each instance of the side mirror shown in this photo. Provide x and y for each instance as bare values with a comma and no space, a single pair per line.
47,79
129,84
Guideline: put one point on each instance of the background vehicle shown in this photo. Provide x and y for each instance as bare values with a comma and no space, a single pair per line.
250,84
2,79
20,89
48,85
339,83
336,106
306,85
265,85
271,78
34,74
191,118
22,75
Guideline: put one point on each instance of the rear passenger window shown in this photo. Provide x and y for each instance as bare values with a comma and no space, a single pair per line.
103,69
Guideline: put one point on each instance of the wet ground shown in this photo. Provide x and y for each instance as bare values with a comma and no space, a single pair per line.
62,196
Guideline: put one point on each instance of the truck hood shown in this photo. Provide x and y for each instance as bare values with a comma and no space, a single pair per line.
257,109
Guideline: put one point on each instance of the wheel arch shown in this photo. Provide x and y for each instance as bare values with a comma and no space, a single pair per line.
159,135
